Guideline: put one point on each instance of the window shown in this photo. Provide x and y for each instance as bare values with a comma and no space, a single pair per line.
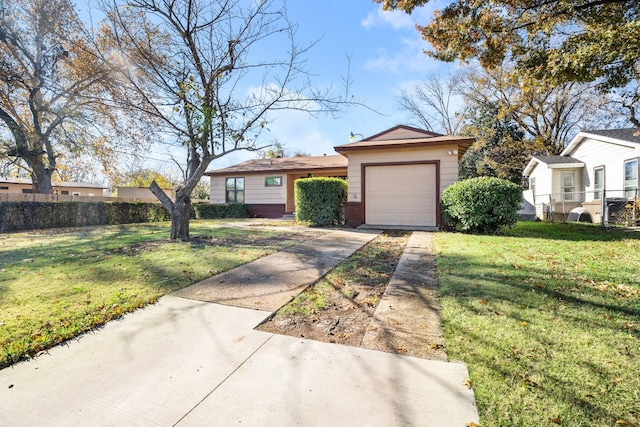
27,191
273,181
3,187
235,190
598,183
64,192
630,178
532,185
76,193
568,185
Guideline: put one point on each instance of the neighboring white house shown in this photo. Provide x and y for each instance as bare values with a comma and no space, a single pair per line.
597,166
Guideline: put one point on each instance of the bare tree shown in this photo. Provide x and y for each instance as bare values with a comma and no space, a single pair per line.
200,68
548,114
435,104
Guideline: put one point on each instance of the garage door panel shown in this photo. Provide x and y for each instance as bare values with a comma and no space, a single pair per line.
401,195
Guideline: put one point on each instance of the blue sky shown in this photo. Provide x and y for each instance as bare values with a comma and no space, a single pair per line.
386,57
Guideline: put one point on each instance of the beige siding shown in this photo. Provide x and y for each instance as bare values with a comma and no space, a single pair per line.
448,164
400,134
256,192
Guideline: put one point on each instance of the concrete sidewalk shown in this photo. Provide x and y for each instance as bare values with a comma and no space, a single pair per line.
182,362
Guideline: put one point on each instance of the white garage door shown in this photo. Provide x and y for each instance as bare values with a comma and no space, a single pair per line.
401,195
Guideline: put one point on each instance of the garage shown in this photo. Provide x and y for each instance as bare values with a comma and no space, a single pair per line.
401,195
396,177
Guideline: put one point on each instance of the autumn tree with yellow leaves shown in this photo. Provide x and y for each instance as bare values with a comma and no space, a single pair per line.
52,90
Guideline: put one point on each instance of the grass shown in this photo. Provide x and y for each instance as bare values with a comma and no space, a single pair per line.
57,284
547,318
371,266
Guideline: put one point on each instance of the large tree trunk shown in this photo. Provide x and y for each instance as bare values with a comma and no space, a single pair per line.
41,178
179,211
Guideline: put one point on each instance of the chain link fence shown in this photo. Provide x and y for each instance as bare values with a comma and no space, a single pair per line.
606,207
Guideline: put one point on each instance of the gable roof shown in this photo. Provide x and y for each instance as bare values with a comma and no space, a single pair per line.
402,132
284,164
552,162
628,137
402,136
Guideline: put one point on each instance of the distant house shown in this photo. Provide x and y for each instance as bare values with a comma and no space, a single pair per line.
140,193
595,167
25,186
395,178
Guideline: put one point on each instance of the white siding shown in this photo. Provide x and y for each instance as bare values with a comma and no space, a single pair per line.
596,153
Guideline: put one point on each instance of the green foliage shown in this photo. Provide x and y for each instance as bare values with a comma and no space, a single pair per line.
202,190
558,41
213,211
321,200
499,150
16,216
481,205
144,178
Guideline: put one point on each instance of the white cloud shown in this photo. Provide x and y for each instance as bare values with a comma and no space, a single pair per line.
410,57
396,20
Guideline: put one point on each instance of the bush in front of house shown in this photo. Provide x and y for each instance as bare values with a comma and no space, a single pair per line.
481,205
214,211
321,200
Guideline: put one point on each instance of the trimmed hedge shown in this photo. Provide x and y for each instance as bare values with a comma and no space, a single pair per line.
481,205
321,200
209,211
18,216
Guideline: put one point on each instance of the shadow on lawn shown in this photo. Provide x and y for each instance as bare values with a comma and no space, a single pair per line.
575,310
576,232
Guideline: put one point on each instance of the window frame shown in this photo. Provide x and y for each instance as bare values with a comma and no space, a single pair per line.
598,190
568,196
267,178
630,191
235,190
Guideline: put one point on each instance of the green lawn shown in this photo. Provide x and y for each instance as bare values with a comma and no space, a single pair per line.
56,284
547,318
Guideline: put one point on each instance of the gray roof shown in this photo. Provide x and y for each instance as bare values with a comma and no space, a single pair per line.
629,134
555,160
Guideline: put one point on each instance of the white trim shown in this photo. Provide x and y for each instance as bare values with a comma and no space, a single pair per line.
575,142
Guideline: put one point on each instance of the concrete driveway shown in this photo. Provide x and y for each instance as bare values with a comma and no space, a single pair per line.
183,362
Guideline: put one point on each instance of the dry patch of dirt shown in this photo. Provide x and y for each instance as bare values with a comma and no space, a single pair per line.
339,307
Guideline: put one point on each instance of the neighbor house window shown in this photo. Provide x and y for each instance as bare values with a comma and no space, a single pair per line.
598,183
64,192
568,185
630,178
76,193
273,181
532,185
3,187
235,190
27,191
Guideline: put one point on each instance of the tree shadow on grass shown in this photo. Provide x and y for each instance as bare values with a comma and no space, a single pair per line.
538,308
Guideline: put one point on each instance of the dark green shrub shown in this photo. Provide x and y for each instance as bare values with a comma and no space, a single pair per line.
16,216
213,211
481,205
321,200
